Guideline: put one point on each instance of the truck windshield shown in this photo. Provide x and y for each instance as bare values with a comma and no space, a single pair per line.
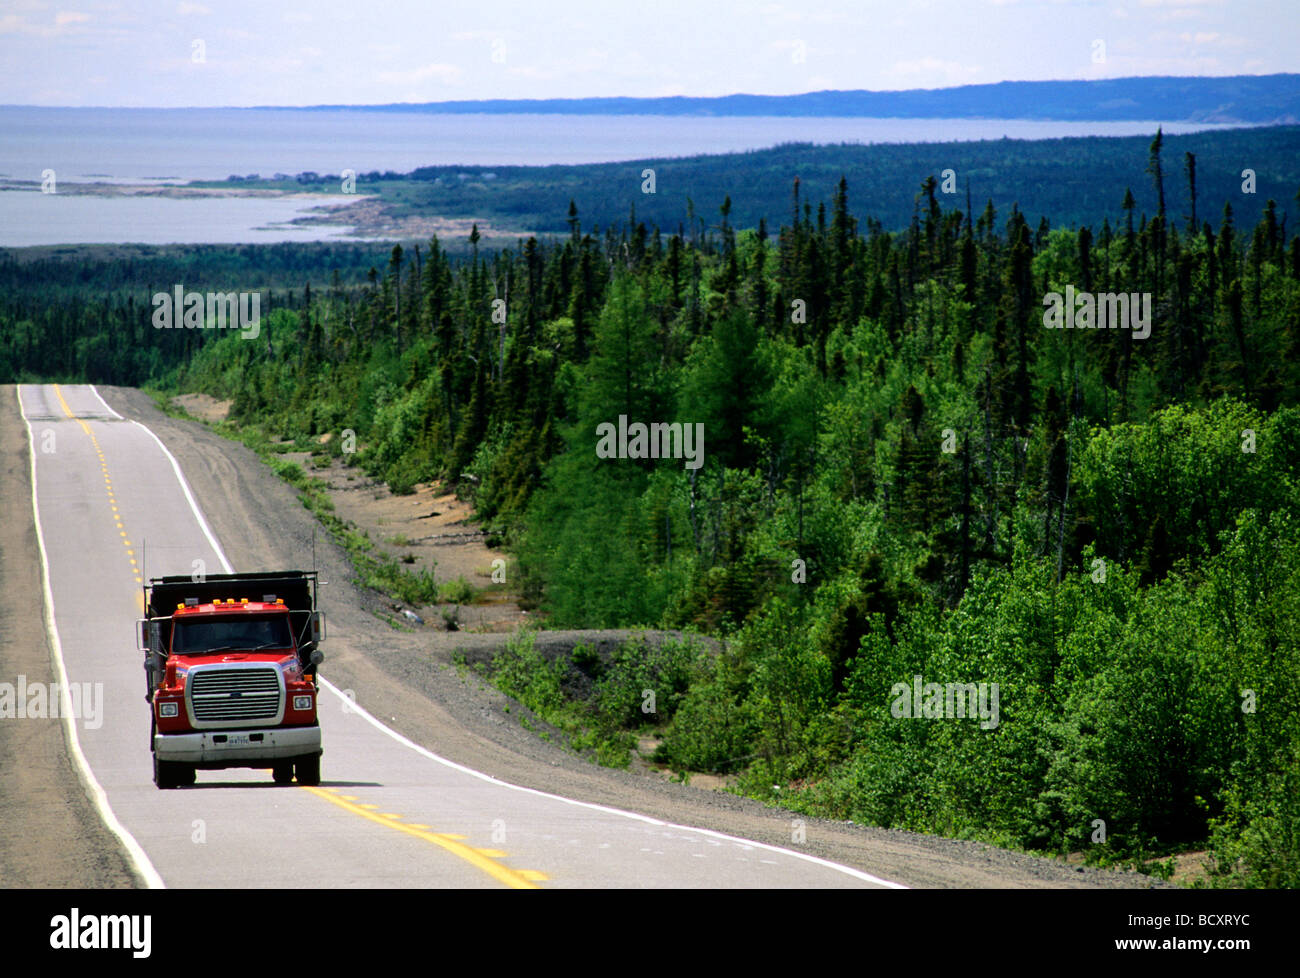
241,633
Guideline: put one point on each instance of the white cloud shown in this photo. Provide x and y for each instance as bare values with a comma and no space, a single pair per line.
63,20
531,72
448,74
1175,10
776,12
186,9
1212,37
1118,65
940,72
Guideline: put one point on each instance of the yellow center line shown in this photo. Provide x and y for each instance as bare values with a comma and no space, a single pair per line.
515,879
108,486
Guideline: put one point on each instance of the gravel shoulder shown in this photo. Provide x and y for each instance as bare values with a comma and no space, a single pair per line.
408,679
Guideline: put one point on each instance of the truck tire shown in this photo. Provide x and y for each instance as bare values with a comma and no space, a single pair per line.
282,773
307,768
171,774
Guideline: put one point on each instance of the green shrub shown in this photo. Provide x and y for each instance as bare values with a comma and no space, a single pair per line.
457,591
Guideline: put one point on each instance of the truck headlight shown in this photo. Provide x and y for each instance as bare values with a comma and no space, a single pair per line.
168,709
302,702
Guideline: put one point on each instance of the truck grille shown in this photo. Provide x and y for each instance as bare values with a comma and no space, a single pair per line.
234,695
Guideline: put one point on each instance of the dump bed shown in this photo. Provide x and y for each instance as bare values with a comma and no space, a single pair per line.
296,588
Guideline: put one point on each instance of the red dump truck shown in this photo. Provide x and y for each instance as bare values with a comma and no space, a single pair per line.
231,662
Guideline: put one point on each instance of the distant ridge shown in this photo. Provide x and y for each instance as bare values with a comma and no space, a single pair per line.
1235,99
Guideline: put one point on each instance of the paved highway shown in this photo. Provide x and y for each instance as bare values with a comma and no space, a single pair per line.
388,813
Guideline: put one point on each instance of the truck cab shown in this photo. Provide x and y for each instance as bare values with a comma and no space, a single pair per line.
231,665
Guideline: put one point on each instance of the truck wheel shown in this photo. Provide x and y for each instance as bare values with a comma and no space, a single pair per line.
171,774
282,773
308,769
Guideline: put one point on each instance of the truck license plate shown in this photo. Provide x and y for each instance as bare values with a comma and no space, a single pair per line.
238,739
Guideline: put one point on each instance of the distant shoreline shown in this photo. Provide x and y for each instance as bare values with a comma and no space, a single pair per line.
192,189
367,215
1272,99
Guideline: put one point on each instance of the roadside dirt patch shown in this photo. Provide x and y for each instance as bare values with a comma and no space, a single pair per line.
1191,868
432,531
204,407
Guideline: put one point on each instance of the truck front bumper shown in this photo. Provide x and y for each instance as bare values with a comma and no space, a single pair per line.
235,748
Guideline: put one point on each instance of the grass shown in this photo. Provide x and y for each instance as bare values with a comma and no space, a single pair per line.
163,401
458,591
604,722
523,673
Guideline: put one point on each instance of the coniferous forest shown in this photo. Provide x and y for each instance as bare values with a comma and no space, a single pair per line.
904,474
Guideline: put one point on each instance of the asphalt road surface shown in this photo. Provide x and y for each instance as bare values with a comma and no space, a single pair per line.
112,505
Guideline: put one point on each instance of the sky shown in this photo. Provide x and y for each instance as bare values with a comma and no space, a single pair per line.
311,52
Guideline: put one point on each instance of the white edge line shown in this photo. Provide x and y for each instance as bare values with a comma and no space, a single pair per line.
406,742
136,855
185,487
350,706
95,391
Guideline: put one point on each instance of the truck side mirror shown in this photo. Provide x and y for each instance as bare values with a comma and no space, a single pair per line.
142,634
317,627
316,657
